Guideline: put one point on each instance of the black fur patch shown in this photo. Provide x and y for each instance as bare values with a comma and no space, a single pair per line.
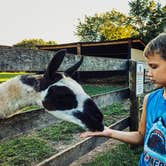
60,98
46,82
31,81
42,83
91,116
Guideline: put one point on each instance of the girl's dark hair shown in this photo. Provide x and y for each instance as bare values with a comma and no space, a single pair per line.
156,46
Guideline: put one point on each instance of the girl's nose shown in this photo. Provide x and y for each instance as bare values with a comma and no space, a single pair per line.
149,73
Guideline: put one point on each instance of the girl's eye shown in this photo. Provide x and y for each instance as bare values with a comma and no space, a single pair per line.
153,66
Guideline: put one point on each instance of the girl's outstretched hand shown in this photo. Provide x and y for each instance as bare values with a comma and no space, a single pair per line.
104,133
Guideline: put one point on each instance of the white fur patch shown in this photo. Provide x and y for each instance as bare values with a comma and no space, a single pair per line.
15,95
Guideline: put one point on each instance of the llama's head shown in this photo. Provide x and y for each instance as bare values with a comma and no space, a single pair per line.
63,97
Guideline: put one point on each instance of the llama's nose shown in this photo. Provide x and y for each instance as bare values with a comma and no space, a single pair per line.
100,127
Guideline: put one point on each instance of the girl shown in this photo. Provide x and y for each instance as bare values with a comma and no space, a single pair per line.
152,126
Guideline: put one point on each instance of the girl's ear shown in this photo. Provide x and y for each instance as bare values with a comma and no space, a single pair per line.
54,64
74,68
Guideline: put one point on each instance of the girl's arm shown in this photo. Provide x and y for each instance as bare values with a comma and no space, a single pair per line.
134,137
128,137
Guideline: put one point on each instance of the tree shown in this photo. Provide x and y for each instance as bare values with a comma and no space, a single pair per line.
89,30
32,43
106,26
115,26
148,18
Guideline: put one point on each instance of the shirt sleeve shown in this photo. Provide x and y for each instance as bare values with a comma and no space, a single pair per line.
142,123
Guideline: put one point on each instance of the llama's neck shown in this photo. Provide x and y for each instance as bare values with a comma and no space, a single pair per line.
15,95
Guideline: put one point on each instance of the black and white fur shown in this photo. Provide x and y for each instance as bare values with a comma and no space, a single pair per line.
57,92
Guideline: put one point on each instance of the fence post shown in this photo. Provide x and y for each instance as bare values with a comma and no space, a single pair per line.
134,100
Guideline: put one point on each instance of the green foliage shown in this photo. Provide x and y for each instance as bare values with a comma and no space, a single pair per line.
32,43
145,21
121,155
106,26
116,27
148,17
89,30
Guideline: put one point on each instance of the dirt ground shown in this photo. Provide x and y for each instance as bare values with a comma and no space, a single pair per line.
108,145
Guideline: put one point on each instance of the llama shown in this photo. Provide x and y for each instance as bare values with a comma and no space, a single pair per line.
56,92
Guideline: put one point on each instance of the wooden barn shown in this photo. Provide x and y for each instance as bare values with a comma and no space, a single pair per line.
124,48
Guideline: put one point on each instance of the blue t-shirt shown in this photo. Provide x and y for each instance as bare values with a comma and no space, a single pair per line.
154,140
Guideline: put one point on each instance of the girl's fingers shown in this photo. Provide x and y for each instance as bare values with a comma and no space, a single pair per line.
85,134
89,134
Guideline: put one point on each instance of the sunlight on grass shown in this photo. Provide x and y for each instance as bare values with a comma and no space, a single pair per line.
4,76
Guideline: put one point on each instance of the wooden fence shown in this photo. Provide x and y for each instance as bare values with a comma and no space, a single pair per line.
40,119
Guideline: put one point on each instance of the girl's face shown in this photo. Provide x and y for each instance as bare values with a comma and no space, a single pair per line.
157,70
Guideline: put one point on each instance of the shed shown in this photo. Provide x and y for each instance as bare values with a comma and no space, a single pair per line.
128,48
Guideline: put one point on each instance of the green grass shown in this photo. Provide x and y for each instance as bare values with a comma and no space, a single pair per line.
60,132
23,151
121,155
34,147
112,113
4,76
98,89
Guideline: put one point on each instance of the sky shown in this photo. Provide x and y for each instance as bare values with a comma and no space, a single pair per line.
50,19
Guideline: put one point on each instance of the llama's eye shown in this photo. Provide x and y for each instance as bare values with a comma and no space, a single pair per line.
29,80
45,83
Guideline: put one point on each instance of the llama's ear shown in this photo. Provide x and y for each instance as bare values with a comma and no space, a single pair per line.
74,68
54,64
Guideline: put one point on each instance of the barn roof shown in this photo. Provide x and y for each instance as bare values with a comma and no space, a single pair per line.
115,48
